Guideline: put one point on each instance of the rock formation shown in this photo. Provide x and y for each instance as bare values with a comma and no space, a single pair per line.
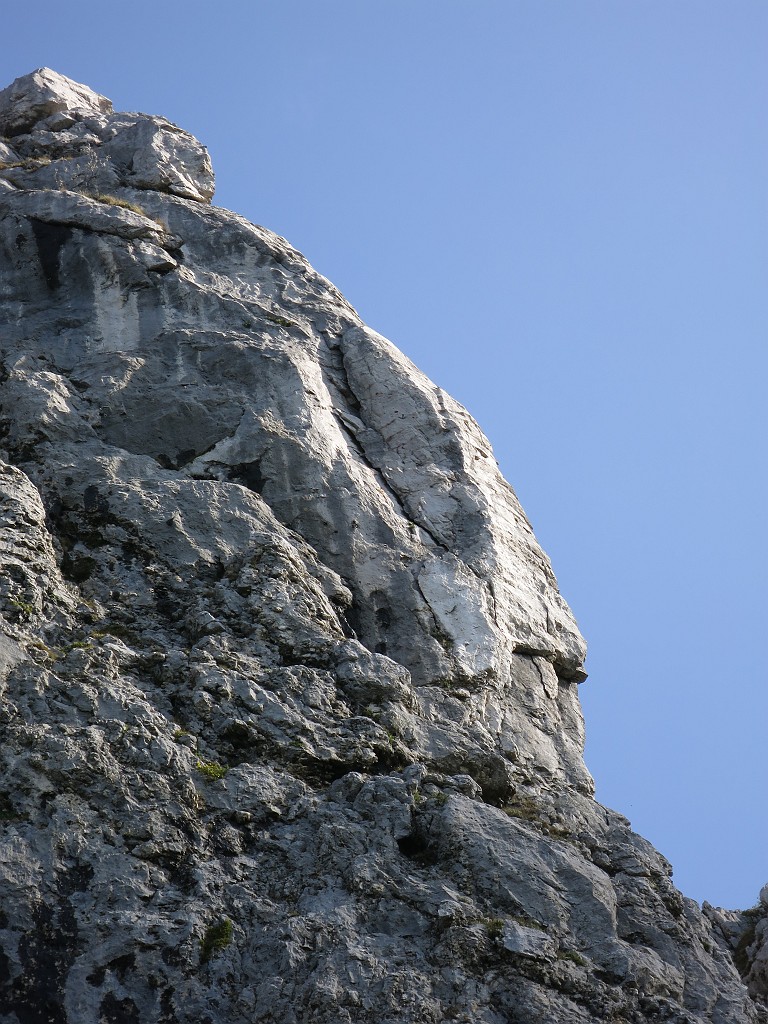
290,721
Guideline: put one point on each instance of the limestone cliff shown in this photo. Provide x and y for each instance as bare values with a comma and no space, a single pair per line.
290,721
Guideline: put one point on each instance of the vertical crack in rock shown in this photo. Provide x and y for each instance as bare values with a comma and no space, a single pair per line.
354,425
288,694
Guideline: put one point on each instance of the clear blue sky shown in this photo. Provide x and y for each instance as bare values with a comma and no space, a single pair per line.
557,209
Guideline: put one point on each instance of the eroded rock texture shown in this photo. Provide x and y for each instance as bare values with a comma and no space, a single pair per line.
290,720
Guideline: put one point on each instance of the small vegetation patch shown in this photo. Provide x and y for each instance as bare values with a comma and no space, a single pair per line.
524,807
212,770
75,645
216,939
104,197
280,320
570,955
43,650
527,809
528,922
119,632
30,164
24,609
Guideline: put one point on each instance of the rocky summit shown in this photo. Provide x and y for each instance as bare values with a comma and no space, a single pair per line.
290,722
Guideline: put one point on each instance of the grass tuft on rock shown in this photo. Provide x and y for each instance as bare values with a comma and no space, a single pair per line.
216,939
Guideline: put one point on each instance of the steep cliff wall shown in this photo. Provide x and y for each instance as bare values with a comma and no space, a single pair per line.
289,695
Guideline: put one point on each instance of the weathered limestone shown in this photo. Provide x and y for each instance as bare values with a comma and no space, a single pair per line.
46,97
290,719
62,134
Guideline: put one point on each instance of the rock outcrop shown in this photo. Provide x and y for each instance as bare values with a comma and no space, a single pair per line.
290,719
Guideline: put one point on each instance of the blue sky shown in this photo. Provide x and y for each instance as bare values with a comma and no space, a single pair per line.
557,209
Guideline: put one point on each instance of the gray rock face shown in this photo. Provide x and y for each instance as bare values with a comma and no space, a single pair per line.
289,694
49,98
